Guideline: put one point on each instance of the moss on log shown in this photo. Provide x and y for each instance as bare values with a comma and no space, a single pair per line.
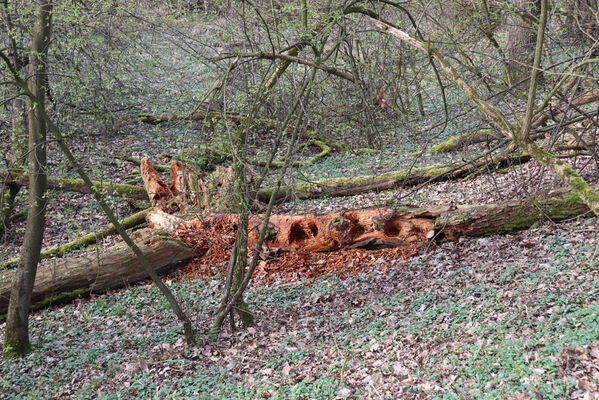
92,272
201,115
325,150
388,180
86,240
77,185
510,216
459,141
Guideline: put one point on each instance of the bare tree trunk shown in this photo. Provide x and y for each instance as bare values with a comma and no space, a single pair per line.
521,40
240,261
16,338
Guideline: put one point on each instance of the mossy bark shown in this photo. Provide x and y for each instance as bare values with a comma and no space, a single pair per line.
137,161
240,195
240,306
510,216
16,337
388,180
457,142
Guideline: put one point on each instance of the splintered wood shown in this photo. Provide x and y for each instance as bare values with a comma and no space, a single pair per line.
310,245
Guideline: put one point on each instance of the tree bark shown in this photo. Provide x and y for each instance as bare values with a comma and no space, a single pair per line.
510,216
93,272
521,39
16,337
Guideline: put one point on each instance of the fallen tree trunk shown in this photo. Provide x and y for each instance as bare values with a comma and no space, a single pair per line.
380,228
322,233
201,115
369,229
388,180
86,240
112,268
509,216
76,185
133,160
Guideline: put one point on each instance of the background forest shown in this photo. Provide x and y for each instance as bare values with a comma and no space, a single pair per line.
449,147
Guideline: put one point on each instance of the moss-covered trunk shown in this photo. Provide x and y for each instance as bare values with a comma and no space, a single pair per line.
16,337
388,180
510,216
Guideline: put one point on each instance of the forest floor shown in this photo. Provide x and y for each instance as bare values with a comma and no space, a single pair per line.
513,316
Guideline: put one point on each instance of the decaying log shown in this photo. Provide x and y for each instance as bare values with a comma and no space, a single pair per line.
161,195
112,268
375,228
510,216
379,228
86,240
76,185
370,229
